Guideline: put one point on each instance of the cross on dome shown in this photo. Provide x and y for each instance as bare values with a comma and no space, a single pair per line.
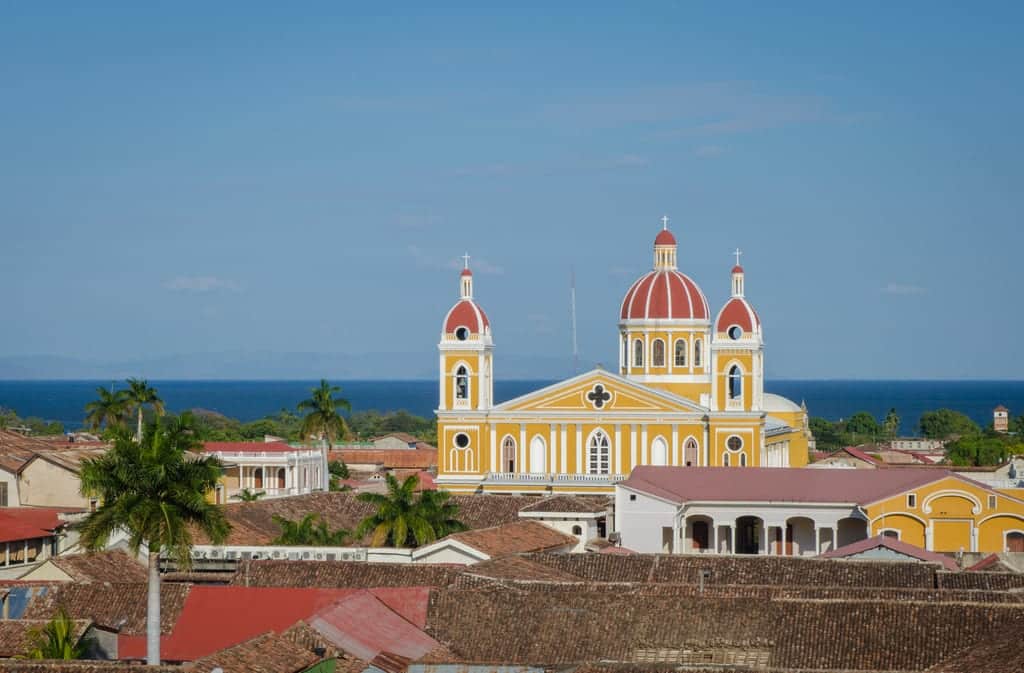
664,222
465,260
737,252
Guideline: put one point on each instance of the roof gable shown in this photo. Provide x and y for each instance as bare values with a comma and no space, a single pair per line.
617,394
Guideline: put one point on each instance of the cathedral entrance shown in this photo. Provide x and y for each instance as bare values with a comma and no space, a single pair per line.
748,535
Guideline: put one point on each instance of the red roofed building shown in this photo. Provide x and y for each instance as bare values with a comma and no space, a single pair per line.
275,468
28,536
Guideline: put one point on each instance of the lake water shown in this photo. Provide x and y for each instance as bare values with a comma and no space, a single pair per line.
248,400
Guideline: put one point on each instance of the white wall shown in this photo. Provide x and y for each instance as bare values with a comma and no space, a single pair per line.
640,520
12,487
589,527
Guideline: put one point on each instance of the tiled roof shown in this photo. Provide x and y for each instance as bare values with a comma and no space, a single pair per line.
514,538
635,627
113,567
518,568
17,449
249,447
14,666
897,546
777,484
999,652
266,653
110,605
419,458
365,626
252,522
341,574
15,634
27,523
568,503
70,458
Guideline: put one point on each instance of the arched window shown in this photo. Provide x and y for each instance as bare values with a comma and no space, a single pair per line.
690,452
508,454
598,453
725,459
625,351
638,353
680,353
538,454
1015,541
743,460
891,533
658,353
257,477
577,530
696,353
461,383
735,383
659,452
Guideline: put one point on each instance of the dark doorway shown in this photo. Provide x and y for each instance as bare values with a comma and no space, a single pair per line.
700,535
1015,542
748,535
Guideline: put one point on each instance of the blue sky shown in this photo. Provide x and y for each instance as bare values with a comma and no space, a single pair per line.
190,179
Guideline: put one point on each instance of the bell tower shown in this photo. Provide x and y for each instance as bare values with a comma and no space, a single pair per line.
466,352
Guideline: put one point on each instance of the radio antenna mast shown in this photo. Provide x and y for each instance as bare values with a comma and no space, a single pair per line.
572,318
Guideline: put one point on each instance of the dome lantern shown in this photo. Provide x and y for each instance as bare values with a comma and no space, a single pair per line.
664,248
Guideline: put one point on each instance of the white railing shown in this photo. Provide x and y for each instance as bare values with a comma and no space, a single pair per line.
273,456
233,553
552,478
268,492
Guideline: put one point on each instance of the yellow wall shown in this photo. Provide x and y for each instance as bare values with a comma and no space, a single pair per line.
952,508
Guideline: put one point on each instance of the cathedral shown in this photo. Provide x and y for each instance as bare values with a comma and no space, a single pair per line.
689,391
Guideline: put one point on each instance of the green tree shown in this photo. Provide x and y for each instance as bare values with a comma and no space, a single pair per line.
981,450
891,424
322,418
154,489
108,410
862,424
404,520
57,640
338,471
1017,425
140,395
245,495
310,531
945,424
826,435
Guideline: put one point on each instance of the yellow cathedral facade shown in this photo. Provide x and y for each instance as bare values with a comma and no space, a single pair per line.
689,391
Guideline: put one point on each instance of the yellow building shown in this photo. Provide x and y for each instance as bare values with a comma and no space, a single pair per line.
689,391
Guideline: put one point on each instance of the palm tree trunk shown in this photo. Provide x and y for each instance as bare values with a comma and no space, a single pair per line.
138,434
153,610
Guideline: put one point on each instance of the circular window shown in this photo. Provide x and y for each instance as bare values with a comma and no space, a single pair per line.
734,443
735,332
462,440
462,333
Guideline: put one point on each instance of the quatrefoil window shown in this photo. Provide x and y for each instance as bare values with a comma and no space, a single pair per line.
599,396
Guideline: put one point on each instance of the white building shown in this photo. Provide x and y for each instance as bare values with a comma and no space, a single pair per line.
273,468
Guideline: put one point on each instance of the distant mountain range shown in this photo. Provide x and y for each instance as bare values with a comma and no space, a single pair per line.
244,365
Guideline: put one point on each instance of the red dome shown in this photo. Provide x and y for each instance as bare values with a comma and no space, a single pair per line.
664,295
466,272
466,314
737,269
738,311
664,237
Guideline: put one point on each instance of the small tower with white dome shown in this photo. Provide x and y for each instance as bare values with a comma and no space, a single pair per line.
466,375
737,351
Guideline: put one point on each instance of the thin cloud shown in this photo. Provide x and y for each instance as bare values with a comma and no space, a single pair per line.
200,284
903,289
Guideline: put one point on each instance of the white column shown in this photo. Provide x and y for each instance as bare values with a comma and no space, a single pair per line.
632,447
579,448
617,450
714,536
441,378
521,462
565,448
646,459
553,450
734,536
675,445
494,450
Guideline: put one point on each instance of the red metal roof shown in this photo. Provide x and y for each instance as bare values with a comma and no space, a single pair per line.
777,484
466,314
664,237
737,311
665,294
248,447
216,617
895,545
27,523
364,626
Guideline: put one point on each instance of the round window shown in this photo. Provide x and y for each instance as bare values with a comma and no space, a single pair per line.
462,440
735,332
462,333
734,443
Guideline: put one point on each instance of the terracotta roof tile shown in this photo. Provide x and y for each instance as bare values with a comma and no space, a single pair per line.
418,458
250,447
266,653
341,574
569,503
113,567
27,523
898,546
13,666
514,538
112,606
15,634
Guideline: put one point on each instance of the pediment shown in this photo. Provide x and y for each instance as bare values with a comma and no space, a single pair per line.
600,391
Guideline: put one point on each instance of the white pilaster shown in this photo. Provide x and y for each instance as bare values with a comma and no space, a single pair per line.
579,449
553,450
521,466
494,451
565,448
675,445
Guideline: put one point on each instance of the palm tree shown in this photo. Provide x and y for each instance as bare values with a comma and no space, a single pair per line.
310,531
57,640
245,495
140,395
403,520
108,410
154,489
323,420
